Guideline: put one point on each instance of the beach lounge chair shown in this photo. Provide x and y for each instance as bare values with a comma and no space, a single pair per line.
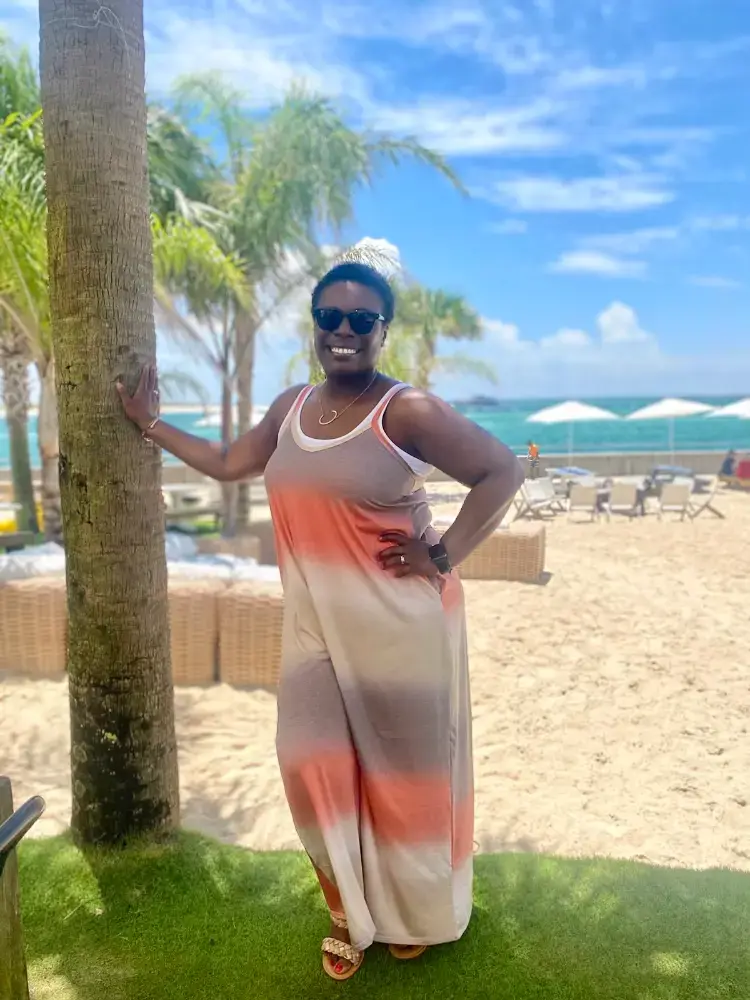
623,499
537,497
545,490
675,499
700,502
583,500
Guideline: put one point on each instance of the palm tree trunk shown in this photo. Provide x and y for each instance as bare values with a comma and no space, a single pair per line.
16,400
49,452
123,747
245,337
425,361
228,490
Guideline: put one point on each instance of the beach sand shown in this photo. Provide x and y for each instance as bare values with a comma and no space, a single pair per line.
611,708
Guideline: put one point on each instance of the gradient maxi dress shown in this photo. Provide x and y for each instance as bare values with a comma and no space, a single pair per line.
374,725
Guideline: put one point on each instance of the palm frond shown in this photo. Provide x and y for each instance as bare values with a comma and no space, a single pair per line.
460,364
173,381
395,151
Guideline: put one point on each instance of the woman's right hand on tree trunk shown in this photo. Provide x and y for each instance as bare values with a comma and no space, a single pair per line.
143,406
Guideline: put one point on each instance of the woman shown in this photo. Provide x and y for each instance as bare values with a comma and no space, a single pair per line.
374,724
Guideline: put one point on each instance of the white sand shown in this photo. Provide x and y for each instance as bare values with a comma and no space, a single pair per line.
611,707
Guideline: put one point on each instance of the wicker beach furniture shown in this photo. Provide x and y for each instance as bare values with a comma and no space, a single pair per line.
250,626
513,554
194,628
33,626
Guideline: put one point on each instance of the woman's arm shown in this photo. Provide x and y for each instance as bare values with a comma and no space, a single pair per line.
430,429
244,458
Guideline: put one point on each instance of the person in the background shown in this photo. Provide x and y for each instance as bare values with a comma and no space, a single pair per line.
533,459
728,465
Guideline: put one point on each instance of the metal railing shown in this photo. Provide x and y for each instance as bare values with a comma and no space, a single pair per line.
13,828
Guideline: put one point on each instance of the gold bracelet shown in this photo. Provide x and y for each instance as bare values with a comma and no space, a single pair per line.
145,433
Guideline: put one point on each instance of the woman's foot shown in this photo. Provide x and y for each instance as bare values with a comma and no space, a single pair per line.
340,960
407,952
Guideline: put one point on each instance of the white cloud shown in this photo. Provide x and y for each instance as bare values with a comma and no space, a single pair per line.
618,324
596,262
567,338
634,242
594,77
720,223
714,281
263,64
510,227
625,193
457,128
500,334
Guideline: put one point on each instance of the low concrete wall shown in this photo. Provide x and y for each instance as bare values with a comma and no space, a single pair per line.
621,464
624,464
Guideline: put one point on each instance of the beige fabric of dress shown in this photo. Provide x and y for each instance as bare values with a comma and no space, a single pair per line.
374,726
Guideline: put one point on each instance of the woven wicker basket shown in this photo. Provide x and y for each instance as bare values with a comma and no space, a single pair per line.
250,626
516,555
243,546
194,626
33,626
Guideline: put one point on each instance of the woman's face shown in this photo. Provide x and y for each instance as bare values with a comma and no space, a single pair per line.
343,351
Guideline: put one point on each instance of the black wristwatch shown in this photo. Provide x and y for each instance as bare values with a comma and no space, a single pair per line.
439,556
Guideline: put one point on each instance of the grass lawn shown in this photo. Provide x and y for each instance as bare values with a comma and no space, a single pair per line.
202,920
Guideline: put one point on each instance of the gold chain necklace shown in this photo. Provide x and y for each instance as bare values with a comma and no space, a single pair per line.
339,413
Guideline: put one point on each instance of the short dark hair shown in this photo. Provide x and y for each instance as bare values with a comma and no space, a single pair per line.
362,274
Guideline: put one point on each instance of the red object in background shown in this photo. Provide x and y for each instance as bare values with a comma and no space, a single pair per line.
743,469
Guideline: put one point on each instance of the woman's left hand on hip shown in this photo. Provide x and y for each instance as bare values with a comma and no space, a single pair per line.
406,556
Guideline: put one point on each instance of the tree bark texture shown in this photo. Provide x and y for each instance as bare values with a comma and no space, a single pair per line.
14,364
14,983
49,452
123,747
425,361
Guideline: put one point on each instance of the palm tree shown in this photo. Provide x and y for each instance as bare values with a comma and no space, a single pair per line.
19,87
182,174
123,747
283,180
425,315
14,363
19,99
24,300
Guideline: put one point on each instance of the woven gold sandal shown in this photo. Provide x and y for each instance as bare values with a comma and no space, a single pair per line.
333,948
407,952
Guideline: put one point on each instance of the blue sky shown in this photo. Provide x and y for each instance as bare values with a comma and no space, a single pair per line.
605,144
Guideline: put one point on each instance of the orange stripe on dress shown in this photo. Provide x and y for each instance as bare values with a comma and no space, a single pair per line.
321,789
408,809
327,529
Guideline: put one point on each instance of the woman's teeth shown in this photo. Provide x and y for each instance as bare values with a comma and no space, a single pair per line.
343,350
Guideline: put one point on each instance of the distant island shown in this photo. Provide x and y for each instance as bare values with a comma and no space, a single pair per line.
475,402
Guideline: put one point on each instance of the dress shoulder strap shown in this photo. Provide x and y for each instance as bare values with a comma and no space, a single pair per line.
295,408
376,417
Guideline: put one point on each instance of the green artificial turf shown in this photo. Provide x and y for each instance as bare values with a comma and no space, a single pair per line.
201,920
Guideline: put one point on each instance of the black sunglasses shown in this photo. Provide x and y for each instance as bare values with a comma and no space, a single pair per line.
361,321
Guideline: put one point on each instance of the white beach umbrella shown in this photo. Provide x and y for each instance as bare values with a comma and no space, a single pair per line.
739,409
671,409
571,413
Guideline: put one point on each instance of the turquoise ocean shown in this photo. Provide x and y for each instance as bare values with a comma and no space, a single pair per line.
507,420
